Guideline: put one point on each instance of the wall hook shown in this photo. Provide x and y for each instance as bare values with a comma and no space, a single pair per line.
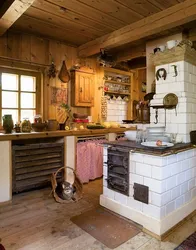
175,70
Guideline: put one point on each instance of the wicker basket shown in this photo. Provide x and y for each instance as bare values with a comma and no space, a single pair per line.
77,185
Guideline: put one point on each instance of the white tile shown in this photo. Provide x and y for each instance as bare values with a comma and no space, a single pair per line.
179,201
155,160
193,193
105,170
170,207
105,151
105,159
161,173
185,164
191,184
154,185
152,211
122,199
137,157
137,205
184,187
171,159
134,178
131,190
187,197
189,174
105,184
175,192
190,153
132,166
108,193
192,162
175,168
170,182
143,169
155,199
165,198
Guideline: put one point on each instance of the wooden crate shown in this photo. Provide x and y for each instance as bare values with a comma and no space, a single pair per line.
33,164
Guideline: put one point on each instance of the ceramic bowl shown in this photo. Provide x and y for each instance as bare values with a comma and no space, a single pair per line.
131,135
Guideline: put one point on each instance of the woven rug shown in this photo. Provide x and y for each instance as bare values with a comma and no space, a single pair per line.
188,244
110,229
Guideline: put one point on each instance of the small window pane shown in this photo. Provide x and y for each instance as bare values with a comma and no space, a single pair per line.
27,100
28,83
9,81
27,114
9,99
12,112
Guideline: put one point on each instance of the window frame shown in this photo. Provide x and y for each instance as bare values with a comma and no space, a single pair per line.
37,92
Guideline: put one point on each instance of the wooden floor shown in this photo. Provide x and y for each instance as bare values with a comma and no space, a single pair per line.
35,221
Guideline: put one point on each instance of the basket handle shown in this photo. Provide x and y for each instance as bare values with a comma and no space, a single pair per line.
63,168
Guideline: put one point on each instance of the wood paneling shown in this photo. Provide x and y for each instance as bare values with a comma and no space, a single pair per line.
167,19
78,21
36,53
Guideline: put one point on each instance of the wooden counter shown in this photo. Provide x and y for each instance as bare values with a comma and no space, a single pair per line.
61,133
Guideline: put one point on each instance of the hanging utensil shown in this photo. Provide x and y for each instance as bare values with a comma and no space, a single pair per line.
156,116
64,74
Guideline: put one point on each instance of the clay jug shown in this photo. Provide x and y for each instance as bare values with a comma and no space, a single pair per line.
8,124
64,74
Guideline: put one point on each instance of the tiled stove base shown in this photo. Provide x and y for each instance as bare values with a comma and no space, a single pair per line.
172,190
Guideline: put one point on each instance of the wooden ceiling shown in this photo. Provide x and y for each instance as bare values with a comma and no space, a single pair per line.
77,22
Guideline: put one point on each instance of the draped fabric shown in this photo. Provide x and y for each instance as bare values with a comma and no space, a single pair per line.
89,160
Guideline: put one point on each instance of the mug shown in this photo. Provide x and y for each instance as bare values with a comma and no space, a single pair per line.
162,48
171,44
156,50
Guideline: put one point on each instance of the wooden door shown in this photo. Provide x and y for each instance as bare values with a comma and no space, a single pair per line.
84,89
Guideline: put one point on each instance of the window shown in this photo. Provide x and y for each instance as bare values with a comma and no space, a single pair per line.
19,94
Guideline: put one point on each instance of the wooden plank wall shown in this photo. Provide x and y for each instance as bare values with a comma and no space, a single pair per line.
32,50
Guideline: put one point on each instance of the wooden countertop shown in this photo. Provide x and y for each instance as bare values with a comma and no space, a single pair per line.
61,133
138,148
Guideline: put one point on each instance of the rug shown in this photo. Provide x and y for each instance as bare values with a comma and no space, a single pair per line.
188,244
108,228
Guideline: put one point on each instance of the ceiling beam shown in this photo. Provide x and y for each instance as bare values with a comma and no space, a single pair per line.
167,19
10,11
131,53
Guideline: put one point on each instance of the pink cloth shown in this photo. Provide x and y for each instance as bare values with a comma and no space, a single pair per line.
89,160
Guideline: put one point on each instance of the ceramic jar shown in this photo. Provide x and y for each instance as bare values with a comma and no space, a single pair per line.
26,125
52,125
8,124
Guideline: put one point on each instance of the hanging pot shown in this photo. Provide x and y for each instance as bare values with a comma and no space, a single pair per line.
64,74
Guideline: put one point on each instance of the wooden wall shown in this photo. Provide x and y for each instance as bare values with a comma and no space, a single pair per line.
36,53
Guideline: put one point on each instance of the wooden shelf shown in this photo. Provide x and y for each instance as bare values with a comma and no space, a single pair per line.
117,93
163,106
117,71
120,83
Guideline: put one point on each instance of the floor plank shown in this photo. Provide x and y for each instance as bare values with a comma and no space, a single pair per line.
34,221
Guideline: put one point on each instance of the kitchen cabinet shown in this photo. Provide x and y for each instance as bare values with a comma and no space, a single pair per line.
141,83
82,86
120,85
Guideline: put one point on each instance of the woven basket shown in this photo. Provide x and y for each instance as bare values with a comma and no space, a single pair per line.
77,185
